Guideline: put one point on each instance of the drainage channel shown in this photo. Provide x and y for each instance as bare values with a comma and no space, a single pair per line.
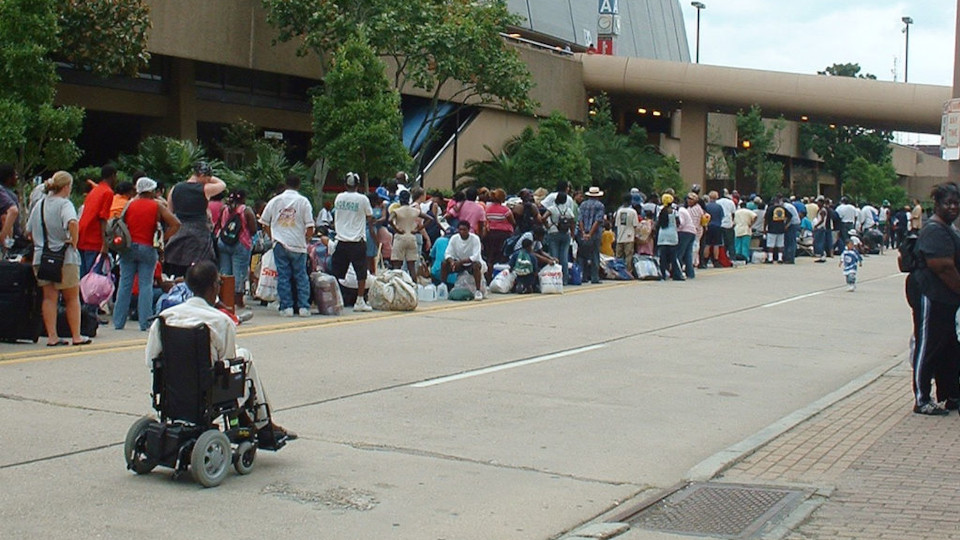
719,510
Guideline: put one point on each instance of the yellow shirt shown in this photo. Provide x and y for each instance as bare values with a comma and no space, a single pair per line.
606,242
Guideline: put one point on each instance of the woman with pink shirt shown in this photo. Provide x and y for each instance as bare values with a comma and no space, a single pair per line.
687,232
500,223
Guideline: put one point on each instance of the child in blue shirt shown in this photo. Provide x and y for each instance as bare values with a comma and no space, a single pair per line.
850,261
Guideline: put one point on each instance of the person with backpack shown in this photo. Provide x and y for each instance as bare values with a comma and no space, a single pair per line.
142,215
775,224
236,225
933,293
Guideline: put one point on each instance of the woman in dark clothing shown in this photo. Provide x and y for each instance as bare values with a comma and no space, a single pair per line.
188,201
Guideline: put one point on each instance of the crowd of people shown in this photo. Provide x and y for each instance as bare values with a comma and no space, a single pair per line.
478,232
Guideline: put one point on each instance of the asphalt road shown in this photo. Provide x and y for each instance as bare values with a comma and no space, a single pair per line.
512,418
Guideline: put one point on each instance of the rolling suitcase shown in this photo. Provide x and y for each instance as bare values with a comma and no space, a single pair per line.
19,303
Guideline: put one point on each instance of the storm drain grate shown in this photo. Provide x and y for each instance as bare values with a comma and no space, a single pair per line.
719,510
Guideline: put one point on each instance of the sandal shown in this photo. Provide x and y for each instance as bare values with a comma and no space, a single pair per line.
58,343
84,341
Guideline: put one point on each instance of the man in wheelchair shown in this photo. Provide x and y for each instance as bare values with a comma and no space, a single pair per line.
183,344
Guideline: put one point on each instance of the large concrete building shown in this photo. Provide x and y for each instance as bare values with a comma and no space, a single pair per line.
197,84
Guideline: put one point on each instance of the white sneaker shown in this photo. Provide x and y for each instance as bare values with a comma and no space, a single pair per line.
304,312
286,312
478,295
361,305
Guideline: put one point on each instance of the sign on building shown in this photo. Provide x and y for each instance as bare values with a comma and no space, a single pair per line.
605,45
950,131
609,7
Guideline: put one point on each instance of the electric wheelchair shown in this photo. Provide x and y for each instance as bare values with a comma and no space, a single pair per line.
190,395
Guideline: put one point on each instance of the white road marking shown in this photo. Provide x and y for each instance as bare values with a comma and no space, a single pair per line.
792,299
511,365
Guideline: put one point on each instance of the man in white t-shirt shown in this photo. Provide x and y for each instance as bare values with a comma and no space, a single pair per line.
726,224
463,255
288,220
352,216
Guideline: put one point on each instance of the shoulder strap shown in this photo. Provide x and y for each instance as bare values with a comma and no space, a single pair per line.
43,222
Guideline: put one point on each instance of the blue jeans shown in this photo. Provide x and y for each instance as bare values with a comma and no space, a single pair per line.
87,258
790,243
235,261
685,252
589,255
141,261
558,246
819,242
291,269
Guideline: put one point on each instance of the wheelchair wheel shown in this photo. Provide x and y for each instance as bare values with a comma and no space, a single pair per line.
243,458
134,447
210,458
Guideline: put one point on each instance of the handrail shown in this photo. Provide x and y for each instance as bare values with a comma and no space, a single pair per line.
537,44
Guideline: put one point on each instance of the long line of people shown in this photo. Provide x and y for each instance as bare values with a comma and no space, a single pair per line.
478,232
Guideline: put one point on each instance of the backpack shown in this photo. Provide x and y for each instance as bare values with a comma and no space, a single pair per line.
117,234
230,232
910,258
564,222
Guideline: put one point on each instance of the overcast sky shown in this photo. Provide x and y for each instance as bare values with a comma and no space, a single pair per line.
805,36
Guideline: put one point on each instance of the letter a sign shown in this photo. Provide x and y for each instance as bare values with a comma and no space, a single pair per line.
609,7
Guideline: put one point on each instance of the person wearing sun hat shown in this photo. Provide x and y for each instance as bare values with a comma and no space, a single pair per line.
142,215
589,231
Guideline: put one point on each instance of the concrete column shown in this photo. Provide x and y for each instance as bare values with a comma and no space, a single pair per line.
183,99
953,173
693,143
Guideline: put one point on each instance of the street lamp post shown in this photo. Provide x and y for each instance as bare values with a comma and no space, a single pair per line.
700,7
907,21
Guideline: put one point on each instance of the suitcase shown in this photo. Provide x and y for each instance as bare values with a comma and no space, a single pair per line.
19,303
89,322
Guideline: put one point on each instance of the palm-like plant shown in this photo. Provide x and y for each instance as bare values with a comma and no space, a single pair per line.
165,159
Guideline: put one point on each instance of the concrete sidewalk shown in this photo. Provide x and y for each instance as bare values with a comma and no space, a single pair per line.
871,467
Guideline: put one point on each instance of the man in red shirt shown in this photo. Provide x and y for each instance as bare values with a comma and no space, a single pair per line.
93,220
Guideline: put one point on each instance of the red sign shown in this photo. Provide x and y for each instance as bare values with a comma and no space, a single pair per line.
605,45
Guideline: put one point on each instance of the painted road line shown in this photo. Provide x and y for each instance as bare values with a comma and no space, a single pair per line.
502,367
792,299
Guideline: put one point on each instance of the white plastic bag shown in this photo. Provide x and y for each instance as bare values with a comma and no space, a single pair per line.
267,284
646,268
551,279
393,290
503,282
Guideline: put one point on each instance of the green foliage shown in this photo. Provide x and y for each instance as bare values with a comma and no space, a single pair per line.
107,36
554,152
357,119
165,159
499,171
668,176
873,182
266,171
450,47
839,146
755,157
34,134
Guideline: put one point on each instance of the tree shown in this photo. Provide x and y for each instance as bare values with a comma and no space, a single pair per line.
106,36
874,182
357,119
553,152
755,142
838,146
34,134
443,47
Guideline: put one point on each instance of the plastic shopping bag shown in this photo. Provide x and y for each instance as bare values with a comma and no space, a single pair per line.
551,279
97,285
267,284
503,282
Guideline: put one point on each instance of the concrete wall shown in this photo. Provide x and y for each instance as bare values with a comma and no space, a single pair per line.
492,128
230,32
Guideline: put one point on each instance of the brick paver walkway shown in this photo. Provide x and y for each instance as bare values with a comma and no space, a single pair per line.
889,473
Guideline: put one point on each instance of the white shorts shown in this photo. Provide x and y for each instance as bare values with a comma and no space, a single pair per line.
775,240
